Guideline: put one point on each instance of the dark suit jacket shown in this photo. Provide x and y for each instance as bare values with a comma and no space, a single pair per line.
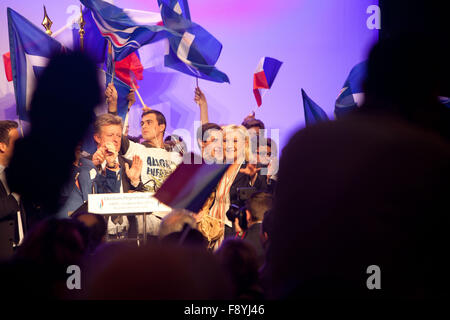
8,222
242,180
8,204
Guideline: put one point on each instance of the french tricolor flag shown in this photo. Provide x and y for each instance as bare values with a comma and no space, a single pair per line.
263,78
190,185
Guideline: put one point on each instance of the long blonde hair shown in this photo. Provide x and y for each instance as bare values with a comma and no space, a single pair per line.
241,133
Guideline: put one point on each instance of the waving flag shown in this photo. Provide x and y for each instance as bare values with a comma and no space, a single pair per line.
31,49
126,30
94,43
199,181
352,94
195,51
265,74
179,7
7,66
129,69
7,97
313,113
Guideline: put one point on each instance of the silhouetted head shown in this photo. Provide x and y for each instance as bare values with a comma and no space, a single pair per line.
239,259
175,221
61,111
66,93
405,73
368,191
168,272
186,237
54,244
96,227
257,205
39,268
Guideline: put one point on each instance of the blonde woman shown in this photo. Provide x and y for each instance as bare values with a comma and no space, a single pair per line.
236,146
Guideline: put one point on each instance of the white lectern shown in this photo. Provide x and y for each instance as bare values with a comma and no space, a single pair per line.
137,203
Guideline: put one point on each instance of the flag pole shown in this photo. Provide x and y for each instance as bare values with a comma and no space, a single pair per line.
139,96
47,23
254,110
20,127
111,56
125,123
81,31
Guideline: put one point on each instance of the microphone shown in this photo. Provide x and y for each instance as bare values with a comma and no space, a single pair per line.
154,184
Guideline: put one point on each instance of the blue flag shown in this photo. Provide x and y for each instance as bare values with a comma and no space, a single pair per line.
313,113
352,94
93,44
31,48
178,8
194,51
125,33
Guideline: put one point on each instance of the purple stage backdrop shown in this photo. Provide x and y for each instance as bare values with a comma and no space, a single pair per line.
318,41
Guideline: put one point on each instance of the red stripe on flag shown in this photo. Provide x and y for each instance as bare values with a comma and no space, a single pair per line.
8,68
113,38
172,186
257,97
260,81
130,64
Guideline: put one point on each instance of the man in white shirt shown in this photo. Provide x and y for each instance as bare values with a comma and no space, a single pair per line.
158,159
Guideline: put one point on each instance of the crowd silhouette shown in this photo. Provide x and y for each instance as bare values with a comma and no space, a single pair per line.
370,189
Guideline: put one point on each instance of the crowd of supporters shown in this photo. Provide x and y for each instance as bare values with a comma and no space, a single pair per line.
368,189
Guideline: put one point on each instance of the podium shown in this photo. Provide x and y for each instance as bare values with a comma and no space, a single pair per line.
137,203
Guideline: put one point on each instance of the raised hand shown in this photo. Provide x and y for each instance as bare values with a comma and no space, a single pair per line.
110,154
134,173
250,170
131,97
98,157
200,98
111,97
